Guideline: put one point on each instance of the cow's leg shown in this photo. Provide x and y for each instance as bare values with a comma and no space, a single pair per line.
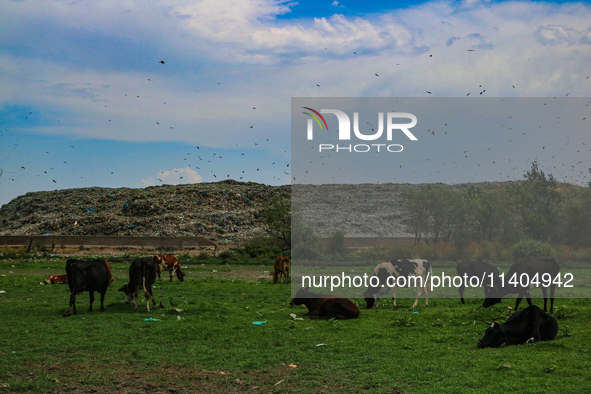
552,288
545,294
416,299
72,306
394,297
103,300
426,292
518,300
91,300
461,290
171,273
134,301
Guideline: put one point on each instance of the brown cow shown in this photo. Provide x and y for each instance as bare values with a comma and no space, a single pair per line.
170,263
322,306
281,268
57,279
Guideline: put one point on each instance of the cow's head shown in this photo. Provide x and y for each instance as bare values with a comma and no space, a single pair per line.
490,302
128,293
494,336
370,296
301,296
180,274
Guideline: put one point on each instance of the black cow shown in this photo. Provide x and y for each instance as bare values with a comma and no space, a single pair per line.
530,267
321,306
480,270
414,272
87,275
142,274
528,325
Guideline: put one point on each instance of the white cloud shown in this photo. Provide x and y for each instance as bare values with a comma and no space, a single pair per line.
173,177
557,35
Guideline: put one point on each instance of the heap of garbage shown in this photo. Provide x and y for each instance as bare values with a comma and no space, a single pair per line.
221,211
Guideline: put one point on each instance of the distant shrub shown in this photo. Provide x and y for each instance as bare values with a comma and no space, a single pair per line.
336,244
225,255
530,248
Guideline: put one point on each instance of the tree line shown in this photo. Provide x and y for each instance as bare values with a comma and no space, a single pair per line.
539,208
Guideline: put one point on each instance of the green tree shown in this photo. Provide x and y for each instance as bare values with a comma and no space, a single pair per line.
277,216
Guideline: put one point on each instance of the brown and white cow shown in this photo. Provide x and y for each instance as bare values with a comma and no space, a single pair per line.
281,269
321,306
170,263
57,279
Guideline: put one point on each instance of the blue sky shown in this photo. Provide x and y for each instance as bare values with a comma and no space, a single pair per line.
85,100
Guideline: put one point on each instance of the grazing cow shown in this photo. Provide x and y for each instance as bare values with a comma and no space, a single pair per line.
281,268
480,270
170,263
57,279
534,268
142,274
414,272
87,275
526,326
321,306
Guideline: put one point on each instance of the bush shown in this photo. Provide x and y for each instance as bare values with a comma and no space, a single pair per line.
530,248
336,244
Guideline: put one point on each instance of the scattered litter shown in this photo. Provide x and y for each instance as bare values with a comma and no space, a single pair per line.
321,344
259,323
180,318
291,365
415,313
177,310
295,317
279,382
2,291
152,319
308,328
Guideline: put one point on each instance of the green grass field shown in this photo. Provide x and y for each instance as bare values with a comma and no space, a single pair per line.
211,345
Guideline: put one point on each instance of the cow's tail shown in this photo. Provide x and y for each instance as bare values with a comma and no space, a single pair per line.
147,294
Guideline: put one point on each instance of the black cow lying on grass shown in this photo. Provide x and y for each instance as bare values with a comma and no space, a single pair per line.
142,274
526,326
321,306
87,275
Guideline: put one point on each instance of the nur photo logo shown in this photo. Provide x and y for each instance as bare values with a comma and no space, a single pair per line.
392,124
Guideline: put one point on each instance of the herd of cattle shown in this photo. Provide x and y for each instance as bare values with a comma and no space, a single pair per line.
95,275
528,325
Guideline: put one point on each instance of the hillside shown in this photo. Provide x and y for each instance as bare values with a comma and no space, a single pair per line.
221,211
226,211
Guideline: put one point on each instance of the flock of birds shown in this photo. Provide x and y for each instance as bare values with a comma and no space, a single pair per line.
209,163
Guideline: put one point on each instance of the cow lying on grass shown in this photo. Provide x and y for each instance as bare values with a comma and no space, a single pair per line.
322,306
87,275
142,275
526,326
56,279
281,269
